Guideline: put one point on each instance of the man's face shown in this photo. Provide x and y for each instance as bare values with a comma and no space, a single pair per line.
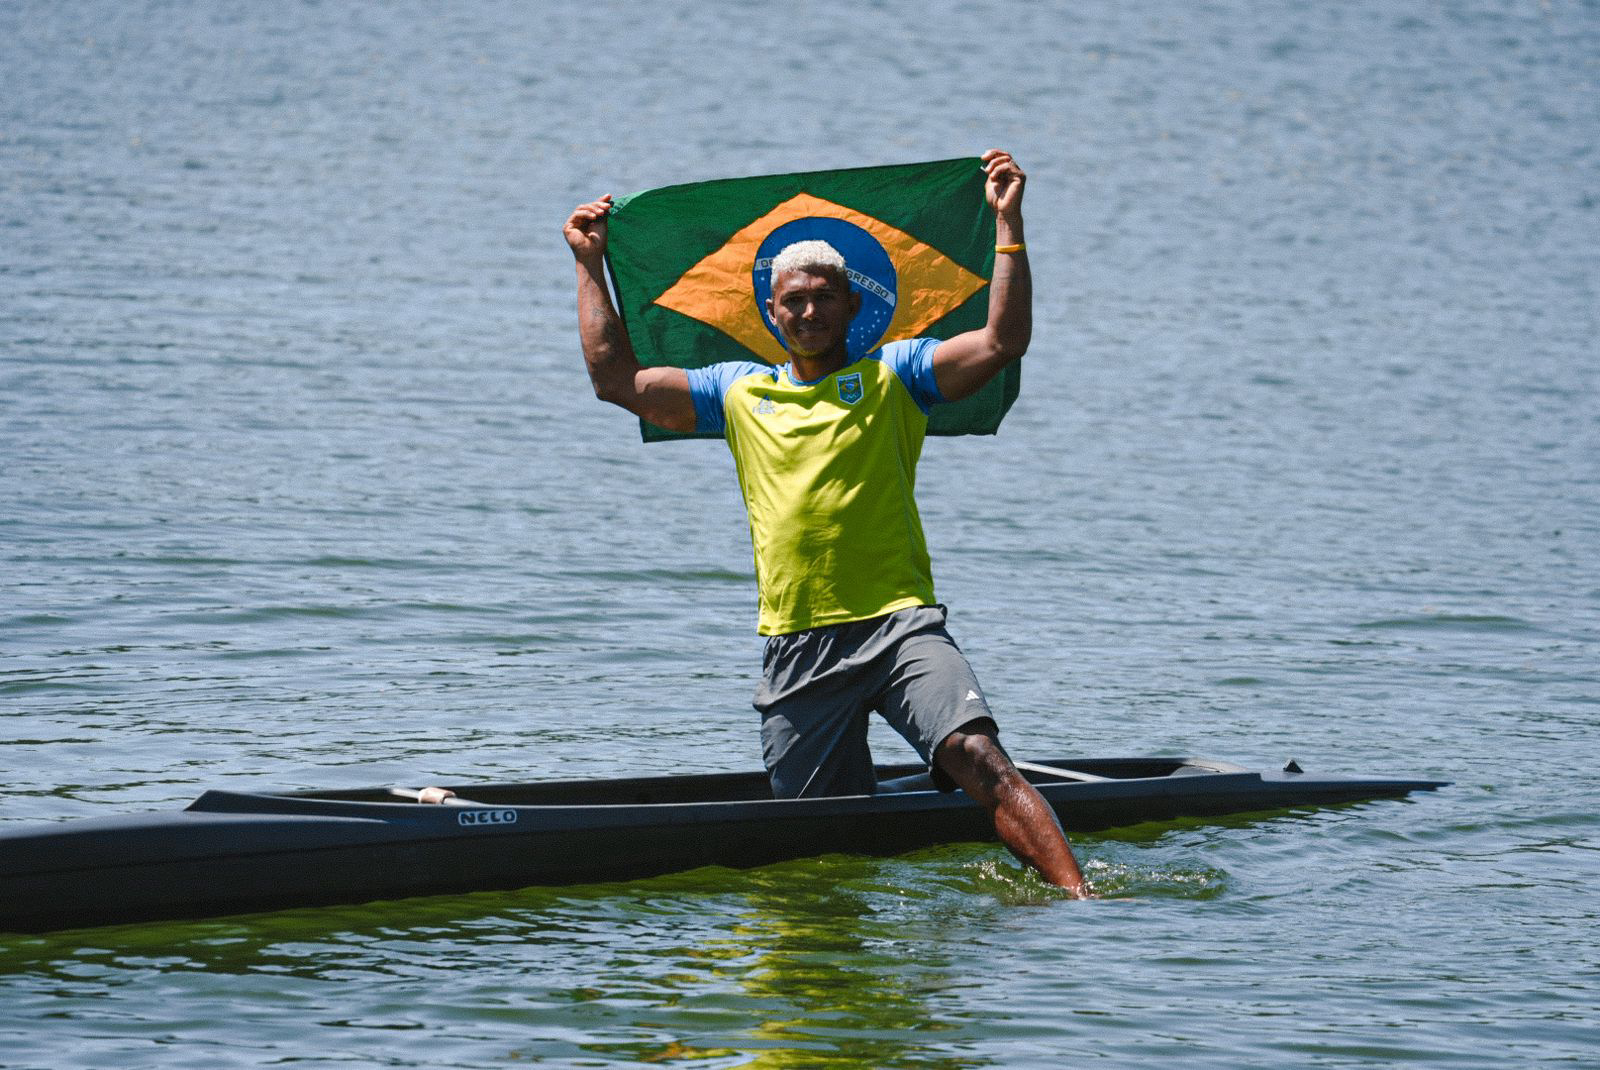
813,310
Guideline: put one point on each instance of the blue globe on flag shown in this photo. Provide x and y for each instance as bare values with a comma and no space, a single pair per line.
872,275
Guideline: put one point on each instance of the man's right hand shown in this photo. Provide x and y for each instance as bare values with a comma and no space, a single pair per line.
586,228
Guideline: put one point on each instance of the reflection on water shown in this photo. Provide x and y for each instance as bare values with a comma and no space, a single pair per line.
842,977
831,962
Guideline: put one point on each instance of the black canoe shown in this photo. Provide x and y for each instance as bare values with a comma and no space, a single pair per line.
231,852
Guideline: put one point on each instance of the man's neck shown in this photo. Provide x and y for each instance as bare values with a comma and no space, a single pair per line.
821,365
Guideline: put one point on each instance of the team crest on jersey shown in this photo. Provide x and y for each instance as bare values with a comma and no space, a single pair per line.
850,388
765,407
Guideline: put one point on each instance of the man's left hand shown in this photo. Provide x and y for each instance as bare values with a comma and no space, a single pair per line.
1003,189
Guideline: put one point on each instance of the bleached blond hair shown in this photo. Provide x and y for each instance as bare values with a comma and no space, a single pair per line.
809,255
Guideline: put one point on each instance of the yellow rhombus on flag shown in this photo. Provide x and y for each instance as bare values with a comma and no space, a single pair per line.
718,289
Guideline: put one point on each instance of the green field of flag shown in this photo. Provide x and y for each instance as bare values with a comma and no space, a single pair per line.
689,264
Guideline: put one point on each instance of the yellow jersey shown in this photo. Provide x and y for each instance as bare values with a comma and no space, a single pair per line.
828,473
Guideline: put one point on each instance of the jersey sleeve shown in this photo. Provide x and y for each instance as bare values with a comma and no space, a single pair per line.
912,361
708,387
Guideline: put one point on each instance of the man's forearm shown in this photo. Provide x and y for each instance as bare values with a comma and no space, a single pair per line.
606,349
1011,290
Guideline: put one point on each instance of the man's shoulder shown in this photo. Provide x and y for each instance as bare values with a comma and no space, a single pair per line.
709,387
906,349
911,360
720,377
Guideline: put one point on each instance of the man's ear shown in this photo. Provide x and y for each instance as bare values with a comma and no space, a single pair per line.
855,302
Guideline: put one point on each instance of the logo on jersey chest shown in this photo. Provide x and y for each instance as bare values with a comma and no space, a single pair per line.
850,388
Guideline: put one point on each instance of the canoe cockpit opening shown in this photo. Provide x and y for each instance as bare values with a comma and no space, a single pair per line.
1099,769
715,787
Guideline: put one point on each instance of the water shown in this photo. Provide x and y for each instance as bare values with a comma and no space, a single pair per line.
304,487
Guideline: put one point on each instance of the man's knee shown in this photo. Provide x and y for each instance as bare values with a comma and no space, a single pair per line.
973,753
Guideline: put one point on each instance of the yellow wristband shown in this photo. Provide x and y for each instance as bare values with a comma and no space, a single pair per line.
1017,248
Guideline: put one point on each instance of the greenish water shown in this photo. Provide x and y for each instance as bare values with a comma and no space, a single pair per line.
304,486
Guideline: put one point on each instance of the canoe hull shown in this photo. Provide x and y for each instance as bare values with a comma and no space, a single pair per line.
233,852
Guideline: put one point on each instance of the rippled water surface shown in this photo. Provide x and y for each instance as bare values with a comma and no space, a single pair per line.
305,487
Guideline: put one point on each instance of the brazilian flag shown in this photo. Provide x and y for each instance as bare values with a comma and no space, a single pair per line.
691,266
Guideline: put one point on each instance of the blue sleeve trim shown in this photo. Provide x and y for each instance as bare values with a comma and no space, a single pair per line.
708,387
912,361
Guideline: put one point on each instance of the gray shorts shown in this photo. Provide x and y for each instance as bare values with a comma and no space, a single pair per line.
819,685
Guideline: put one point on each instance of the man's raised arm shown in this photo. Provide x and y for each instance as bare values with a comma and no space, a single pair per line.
963,364
659,395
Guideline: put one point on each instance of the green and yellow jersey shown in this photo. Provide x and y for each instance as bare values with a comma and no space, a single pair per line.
828,470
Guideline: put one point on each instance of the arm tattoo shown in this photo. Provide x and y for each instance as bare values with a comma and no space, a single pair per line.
608,331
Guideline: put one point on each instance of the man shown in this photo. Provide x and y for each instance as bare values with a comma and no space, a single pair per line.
826,450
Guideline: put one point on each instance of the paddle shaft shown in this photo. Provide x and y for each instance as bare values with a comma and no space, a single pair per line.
1058,772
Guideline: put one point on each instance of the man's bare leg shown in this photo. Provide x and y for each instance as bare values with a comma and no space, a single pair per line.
1025,823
